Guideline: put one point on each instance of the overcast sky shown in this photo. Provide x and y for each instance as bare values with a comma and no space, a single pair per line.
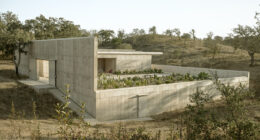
218,16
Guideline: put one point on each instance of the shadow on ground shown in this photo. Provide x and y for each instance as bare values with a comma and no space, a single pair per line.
23,97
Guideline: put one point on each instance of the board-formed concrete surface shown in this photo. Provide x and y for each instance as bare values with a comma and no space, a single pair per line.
195,71
128,59
123,103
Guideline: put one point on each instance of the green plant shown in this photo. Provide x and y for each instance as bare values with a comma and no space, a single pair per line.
36,132
64,116
81,131
146,71
203,123
203,76
106,83
117,72
236,124
140,134
198,120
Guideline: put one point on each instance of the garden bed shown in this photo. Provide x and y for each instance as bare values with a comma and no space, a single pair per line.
114,76
147,71
115,81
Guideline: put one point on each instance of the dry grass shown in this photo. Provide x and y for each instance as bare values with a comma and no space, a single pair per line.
22,96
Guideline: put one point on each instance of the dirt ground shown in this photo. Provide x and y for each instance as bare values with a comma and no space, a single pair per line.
23,97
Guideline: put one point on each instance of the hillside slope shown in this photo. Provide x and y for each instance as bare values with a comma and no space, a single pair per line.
193,53
22,96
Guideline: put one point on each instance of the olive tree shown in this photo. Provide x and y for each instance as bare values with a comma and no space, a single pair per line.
249,39
185,37
192,33
13,38
48,28
169,32
177,32
152,30
105,37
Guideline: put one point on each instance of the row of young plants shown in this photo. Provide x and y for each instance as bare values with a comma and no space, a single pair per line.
108,83
146,71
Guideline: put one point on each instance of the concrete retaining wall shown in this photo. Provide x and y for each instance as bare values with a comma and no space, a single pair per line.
121,103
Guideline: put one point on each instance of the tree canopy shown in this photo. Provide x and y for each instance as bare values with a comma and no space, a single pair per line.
13,36
46,28
248,38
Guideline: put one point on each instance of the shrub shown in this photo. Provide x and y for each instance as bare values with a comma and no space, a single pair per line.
146,71
198,120
140,134
203,76
236,123
203,123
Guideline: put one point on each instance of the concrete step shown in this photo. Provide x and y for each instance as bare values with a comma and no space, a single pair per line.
95,122
38,86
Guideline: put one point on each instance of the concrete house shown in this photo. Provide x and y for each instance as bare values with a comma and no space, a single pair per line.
53,64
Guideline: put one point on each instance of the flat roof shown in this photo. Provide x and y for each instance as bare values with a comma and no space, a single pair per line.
125,52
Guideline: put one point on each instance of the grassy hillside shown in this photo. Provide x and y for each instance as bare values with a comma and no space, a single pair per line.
192,53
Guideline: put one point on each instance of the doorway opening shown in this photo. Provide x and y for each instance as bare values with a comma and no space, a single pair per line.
106,65
43,70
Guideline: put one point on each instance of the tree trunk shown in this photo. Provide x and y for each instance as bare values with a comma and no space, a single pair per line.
16,71
17,62
252,58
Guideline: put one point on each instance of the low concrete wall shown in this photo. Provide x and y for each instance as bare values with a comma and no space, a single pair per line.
195,71
113,104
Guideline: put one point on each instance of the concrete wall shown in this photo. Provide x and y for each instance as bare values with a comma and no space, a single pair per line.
76,65
121,103
195,71
130,62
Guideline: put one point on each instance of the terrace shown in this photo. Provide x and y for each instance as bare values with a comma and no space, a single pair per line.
139,94
143,78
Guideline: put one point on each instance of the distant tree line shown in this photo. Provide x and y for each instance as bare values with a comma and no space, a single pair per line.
15,35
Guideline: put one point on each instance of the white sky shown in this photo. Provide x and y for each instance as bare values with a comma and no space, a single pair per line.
218,16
